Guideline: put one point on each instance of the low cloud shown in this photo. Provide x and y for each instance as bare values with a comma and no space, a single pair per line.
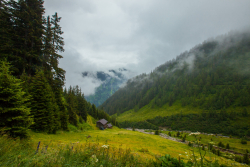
137,35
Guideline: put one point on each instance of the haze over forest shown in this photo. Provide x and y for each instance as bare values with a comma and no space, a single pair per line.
137,35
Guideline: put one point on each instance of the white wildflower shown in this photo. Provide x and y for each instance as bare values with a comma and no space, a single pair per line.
195,134
105,146
96,160
94,156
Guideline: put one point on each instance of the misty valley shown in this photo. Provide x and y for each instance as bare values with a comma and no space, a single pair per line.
193,110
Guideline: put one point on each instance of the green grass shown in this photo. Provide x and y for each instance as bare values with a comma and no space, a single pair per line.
77,148
234,143
147,112
83,147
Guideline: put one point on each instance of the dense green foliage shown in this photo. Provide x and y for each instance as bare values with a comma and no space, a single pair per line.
31,87
14,114
232,123
212,76
78,107
139,125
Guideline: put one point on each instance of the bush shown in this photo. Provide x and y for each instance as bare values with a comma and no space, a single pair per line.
238,159
157,132
203,147
243,141
167,160
169,134
72,128
190,144
143,150
220,144
227,146
218,153
246,158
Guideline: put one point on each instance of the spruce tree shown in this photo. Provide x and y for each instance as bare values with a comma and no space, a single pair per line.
41,104
6,31
27,18
15,116
64,118
72,107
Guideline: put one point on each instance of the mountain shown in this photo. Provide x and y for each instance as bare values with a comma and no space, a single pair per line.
111,82
210,78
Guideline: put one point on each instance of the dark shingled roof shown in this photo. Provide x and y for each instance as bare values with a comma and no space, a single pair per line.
103,121
109,125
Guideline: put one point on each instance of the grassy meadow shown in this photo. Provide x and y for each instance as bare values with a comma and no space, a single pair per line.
92,147
147,112
234,143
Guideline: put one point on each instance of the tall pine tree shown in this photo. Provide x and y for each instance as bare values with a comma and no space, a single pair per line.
42,107
15,116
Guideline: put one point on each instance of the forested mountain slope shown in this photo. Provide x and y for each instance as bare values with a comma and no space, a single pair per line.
213,75
111,82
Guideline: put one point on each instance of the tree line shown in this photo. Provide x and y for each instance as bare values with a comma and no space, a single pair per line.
227,123
31,81
211,76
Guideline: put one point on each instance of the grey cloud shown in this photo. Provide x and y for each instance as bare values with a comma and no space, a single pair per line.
138,35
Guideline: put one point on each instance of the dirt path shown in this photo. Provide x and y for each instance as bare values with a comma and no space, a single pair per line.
186,142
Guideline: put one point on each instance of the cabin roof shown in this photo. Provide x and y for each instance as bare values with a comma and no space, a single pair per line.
110,125
102,121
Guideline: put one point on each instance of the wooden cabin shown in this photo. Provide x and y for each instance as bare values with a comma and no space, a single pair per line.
102,124
110,126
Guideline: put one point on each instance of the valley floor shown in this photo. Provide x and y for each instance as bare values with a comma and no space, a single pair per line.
145,147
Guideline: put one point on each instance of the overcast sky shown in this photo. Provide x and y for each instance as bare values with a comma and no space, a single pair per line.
138,35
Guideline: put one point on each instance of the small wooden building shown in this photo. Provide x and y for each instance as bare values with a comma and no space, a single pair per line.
110,126
102,124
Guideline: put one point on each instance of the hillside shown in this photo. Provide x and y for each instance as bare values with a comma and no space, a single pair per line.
111,82
210,78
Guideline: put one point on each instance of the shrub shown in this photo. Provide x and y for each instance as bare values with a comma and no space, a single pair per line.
169,134
203,148
157,132
238,159
243,141
190,144
218,153
213,151
246,158
220,144
143,150
227,146
167,160
178,134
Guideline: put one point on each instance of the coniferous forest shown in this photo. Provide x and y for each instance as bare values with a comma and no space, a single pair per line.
31,81
213,75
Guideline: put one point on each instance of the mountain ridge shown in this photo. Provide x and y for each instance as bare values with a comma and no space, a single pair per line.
219,69
111,82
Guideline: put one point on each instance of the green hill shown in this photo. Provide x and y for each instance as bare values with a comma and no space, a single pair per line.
211,78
